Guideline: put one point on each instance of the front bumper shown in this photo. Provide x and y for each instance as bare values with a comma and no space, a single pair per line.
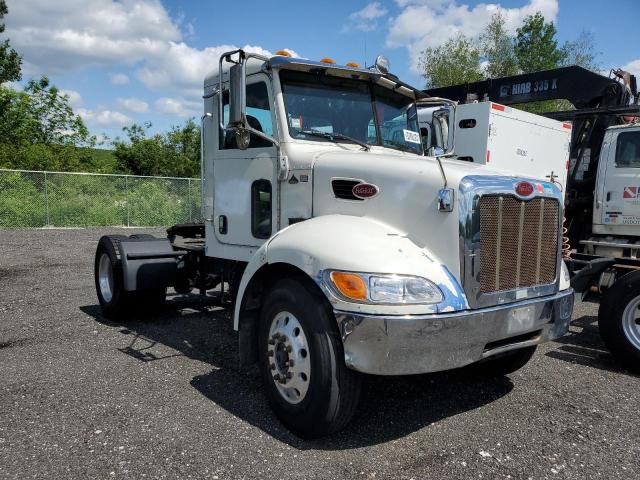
401,345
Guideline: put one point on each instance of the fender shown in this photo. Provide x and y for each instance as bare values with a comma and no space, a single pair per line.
344,242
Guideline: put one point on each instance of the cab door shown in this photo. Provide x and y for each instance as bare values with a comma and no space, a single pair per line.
618,190
245,188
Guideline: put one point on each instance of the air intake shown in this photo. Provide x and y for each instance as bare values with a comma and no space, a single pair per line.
344,189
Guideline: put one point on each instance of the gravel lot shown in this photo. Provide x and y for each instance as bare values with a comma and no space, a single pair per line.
81,397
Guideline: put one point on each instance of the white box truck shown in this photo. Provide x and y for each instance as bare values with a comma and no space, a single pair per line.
346,250
508,140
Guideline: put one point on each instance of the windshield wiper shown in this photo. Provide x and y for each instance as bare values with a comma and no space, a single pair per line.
334,137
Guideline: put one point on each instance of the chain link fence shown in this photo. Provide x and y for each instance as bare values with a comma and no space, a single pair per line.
54,199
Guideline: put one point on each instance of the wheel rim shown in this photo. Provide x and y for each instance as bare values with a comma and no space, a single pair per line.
631,322
289,357
105,277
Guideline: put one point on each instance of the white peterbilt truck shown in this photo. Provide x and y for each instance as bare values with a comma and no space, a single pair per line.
344,248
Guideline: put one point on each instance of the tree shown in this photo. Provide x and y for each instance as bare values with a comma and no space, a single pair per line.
174,154
10,61
497,49
40,115
581,52
536,47
455,61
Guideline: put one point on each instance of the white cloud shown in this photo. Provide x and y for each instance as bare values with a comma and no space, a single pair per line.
57,36
429,23
367,18
179,106
182,68
61,36
134,105
633,67
103,117
119,79
75,99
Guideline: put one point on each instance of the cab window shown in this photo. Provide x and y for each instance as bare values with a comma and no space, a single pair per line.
258,117
628,150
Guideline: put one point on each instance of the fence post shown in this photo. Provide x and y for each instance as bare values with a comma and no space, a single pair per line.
189,199
126,196
46,199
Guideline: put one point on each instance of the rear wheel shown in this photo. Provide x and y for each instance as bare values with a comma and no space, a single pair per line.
619,320
108,277
505,363
115,301
302,361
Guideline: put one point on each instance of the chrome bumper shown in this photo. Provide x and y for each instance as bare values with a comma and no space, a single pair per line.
401,345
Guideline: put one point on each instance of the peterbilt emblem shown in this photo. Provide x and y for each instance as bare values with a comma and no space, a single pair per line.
524,189
364,190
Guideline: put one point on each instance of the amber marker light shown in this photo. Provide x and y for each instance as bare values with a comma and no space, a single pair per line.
328,60
350,285
283,53
353,64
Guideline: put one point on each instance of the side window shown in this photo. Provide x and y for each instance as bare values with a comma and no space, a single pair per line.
261,208
628,150
258,117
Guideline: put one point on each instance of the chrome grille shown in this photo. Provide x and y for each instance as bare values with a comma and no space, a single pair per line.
518,242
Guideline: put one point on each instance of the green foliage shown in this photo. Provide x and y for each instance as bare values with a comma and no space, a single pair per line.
456,61
93,200
175,153
497,49
10,61
581,52
536,47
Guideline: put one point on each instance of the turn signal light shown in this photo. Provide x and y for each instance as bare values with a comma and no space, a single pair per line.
283,53
328,60
350,285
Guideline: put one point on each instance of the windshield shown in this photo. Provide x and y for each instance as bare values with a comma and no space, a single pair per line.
358,109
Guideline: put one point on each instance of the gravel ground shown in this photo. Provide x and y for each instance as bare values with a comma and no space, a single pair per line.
81,397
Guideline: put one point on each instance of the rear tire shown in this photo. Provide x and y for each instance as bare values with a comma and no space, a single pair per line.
308,385
619,320
113,299
505,363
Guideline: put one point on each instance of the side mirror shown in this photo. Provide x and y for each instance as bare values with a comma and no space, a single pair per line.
444,126
237,96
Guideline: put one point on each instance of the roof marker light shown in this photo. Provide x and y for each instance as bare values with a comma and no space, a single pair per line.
283,53
352,64
328,60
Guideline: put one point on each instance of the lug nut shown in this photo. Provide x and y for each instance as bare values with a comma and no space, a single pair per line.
270,353
273,366
289,349
291,363
272,341
289,375
277,377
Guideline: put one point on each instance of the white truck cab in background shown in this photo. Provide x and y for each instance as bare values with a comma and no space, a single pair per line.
345,249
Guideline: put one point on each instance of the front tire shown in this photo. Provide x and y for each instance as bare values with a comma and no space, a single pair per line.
619,320
302,364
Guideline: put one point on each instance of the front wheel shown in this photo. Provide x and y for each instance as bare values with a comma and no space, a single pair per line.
308,384
619,320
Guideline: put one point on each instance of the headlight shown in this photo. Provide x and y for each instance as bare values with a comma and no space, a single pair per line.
389,289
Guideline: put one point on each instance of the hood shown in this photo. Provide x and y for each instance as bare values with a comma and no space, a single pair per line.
407,195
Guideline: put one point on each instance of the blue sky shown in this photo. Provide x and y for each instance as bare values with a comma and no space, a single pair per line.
144,60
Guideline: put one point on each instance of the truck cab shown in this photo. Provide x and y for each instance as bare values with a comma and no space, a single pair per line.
349,251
